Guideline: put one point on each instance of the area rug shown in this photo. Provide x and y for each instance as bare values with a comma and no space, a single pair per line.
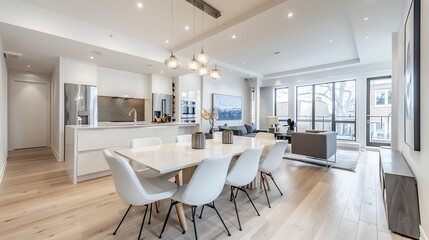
346,159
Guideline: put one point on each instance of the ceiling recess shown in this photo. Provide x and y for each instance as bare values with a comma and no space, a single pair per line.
207,8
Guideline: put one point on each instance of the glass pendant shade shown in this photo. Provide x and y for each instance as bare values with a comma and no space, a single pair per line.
203,70
202,57
193,64
215,73
172,62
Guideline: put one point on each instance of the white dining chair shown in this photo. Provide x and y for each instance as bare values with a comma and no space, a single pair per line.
204,187
271,163
184,138
264,135
242,173
136,190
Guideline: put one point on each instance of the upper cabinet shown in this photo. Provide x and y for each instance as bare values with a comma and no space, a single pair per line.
116,83
78,72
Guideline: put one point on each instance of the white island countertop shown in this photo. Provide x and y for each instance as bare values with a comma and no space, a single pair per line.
140,124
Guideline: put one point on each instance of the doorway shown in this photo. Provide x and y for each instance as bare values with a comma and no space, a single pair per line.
29,114
379,111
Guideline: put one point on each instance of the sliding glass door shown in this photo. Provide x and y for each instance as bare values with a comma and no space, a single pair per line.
379,111
329,107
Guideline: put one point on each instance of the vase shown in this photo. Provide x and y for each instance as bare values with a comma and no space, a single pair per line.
198,141
227,137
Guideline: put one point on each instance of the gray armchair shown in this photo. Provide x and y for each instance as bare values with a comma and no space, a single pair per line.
317,144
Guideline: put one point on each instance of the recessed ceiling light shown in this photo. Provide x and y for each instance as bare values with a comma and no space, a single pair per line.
289,15
187,28
161,71
367,37
366,19
91,57
242,63
166,41
331,40
28,66
368,50
140,5
230,70
234,37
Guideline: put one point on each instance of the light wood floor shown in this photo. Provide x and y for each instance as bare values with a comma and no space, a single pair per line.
37,201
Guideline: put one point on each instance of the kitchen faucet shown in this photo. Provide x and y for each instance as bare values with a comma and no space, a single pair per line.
135,114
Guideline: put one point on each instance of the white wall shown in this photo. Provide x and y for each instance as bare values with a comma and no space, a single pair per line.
360,74
30,77
228,84
418,161
55,112
4,112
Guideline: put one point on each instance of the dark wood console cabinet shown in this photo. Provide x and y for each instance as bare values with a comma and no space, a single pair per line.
399,189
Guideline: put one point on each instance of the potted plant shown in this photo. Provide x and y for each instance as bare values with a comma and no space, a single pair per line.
211,117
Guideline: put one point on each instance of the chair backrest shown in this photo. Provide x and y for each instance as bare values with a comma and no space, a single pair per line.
145,142
274,158
246,168
184,138
264,135
126,182
208,180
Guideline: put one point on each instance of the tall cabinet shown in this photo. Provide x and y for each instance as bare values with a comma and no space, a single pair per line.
117,83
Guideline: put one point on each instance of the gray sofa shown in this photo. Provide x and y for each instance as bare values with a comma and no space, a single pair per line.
245,130
316,144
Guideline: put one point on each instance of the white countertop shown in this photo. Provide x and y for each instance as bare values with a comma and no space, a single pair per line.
140,124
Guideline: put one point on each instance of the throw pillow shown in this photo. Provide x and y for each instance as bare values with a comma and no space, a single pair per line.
250,128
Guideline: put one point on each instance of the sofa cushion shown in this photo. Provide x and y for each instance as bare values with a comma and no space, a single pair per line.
250,128
241,130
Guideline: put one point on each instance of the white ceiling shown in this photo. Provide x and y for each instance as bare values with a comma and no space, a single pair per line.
262,27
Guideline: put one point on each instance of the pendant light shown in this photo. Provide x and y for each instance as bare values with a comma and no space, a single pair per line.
215,73
194,64
172,62
202,57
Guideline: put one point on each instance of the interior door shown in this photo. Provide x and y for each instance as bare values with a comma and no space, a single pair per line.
28,114
379,111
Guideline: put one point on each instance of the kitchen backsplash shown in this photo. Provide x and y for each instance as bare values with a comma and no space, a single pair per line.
116,109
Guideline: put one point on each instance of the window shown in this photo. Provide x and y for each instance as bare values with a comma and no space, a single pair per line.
281,108
328,106
383,97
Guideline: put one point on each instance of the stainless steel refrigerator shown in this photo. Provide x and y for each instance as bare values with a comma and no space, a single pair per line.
81,105
162,104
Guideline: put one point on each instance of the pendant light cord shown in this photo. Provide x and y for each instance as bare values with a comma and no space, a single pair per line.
172,28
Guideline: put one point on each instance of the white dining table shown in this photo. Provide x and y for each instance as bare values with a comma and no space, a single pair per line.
171,157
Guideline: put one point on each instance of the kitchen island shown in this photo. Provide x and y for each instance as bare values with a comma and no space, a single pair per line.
84,144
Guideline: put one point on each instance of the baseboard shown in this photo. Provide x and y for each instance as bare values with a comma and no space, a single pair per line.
56,155
423,235
2,170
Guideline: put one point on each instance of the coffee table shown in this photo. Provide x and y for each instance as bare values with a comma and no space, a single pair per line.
284,136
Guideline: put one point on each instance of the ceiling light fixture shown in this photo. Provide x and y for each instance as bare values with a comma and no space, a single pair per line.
234,37
366,19
28,66
140,5
290,15
172,62
166,41
367,37
202,57
331,41
193,64
215,73
91,57
187,28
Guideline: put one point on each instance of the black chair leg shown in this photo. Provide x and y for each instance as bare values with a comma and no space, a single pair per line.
156,206
265,189
244,190
194,209
166,218
230,196
150,214
272,178
201,214
236,212
114,233
141,227
214,207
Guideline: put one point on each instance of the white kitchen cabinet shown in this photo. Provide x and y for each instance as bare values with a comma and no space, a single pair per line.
116,83
78,72
106,82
